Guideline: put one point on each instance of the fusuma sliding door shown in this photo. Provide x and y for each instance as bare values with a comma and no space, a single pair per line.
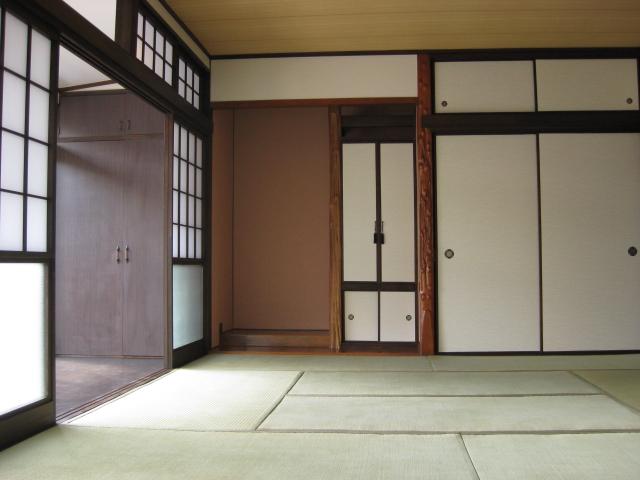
27,98
487,227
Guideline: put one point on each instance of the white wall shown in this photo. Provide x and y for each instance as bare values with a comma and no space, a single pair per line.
351,76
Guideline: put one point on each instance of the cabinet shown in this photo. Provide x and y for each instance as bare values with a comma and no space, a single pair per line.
485,86
587,84
110,231
378,241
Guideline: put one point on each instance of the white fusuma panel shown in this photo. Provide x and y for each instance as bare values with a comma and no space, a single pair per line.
590,197
595,84
361,316
397,203
487,220
397,317
359,211
487,86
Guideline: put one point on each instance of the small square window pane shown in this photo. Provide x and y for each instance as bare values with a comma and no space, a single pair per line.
183,176
183,143
199,213
192,243
192,212
183,242
139,49
38,169
183,209
175,238
10,221
36,225
176,207
198,243
198,183
159,43
40,58
176,139
15,40
159,68
148,32
13,99
199,152
168,73
39,114
181,68
192,180
12,162
140,24
181,88
148,56
169,52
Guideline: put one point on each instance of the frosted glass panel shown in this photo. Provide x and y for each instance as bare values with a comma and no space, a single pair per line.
199,213
199,183
10,221
192,148
175,237
187,304
176,139
15,40
192,179
183,241
199,152
23,334
13,97
36,225
40,58
39,114
192,212
183,176
38,171
198,243
175,207
12,172
183,209
183,143
176,173
191,243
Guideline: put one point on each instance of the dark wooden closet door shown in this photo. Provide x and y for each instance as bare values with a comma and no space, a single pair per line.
144,233
89,294
96,115
142,118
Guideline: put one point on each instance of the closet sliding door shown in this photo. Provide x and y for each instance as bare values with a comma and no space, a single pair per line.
487,245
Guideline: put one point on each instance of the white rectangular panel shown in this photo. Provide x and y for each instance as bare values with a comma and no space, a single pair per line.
23,334
595,84
487,86
187,304
38,114
590,186
13,102
397,203
361,316
40,58
397,317
36,225
15,40
359,211
349,76
38,170
11,206
488,217
12,162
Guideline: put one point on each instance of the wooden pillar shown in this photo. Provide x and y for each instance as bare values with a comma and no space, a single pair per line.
424,168
335,233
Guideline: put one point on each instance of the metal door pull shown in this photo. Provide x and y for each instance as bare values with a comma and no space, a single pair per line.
118,254
126,254
449,253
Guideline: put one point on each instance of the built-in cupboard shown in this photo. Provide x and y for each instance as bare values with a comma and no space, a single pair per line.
537,233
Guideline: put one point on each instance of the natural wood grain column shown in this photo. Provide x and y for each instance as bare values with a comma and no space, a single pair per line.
424,168
335,233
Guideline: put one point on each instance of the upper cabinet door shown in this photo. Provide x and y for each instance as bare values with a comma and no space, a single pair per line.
397,199
96,115
566,85
359,211
142,118
502,86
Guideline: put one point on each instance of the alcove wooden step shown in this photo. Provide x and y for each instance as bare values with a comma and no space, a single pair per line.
275,338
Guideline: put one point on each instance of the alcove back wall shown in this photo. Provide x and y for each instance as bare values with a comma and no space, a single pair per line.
281,219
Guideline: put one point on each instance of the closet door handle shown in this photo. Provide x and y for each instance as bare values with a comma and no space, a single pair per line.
126,254
118,254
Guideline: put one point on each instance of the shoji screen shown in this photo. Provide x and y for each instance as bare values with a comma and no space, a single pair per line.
590,198
25,212
487,224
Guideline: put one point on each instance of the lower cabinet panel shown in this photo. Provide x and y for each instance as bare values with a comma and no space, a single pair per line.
361,316
397,317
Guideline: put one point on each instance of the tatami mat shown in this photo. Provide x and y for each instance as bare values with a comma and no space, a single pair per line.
70,453
196,400
611,456
440,383
621,384
534,362
452,414
328,363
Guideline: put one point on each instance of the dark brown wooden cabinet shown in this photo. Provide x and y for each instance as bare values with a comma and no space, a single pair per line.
110,231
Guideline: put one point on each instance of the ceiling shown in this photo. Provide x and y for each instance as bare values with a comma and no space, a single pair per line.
232,27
